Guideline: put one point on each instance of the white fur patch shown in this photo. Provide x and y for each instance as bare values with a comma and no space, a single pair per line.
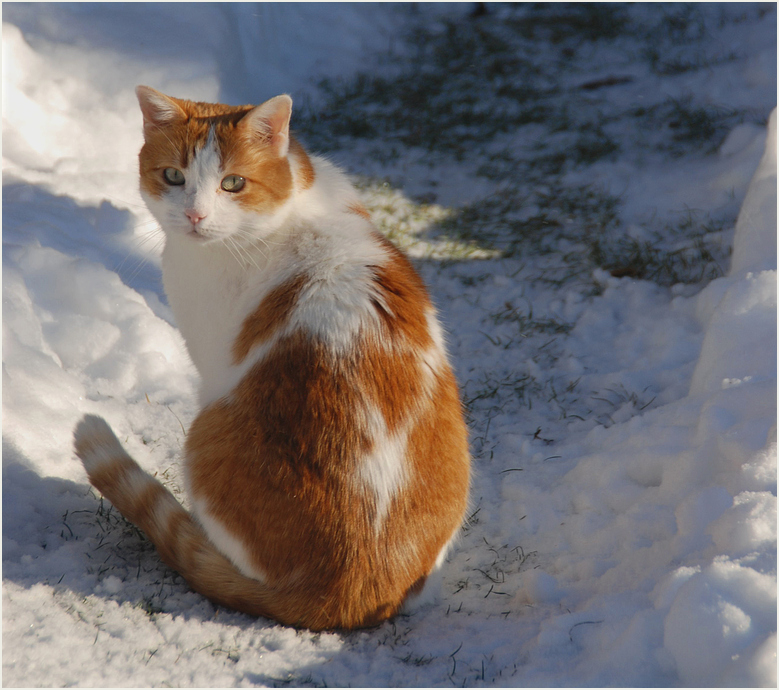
96,444
164,507
203,180
215,387
383,472
436,332
435,356
432,586
337,303
226,543
135,481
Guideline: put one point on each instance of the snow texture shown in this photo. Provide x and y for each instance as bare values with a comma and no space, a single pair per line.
636,547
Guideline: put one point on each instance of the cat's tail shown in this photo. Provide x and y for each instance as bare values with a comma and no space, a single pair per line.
182,544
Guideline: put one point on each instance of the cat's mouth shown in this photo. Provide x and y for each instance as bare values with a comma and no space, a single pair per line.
196,235
202,236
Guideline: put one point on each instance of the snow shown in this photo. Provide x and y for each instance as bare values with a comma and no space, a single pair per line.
631,540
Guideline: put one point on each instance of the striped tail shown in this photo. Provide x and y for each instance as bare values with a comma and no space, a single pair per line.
182,544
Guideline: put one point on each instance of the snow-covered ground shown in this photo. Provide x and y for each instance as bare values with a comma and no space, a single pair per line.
623,521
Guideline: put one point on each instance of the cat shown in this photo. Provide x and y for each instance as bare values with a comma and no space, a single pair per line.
328,468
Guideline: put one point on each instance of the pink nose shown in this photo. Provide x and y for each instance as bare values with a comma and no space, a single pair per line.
194,216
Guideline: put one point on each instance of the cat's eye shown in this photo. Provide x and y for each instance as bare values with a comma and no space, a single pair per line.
173,176
233,183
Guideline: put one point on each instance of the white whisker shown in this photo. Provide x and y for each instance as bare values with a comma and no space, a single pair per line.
255,242
141,243
124,202
231,247
141,263
247,254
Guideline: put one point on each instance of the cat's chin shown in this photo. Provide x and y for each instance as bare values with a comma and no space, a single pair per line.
197,237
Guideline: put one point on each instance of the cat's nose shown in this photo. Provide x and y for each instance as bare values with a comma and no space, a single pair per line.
194,216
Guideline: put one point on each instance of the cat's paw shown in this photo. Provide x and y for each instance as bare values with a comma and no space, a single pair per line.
96,445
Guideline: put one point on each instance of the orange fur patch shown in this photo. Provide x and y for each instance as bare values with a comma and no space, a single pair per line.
305,170
268,177
271,316
275,461
360,210
281,456
404,303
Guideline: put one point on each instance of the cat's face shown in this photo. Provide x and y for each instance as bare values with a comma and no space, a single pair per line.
213,172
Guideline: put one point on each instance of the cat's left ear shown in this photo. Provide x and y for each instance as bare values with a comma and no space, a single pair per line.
158,109
270,123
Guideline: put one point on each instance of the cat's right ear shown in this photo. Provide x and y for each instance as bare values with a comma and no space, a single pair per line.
269,122
157,108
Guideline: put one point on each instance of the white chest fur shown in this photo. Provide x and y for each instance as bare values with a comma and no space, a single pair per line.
211,292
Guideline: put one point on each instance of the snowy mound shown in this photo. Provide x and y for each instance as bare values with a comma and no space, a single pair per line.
720,612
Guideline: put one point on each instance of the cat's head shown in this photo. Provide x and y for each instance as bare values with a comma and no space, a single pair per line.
211,171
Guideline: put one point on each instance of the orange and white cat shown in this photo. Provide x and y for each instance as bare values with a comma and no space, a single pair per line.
328,468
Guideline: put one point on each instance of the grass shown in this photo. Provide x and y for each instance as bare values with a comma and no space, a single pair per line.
502,93
464,83
682,126
117,547
408,224
690,250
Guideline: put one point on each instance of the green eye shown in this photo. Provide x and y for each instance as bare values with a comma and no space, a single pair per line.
173,176
233,183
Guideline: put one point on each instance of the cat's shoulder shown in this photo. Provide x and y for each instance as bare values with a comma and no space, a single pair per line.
342,278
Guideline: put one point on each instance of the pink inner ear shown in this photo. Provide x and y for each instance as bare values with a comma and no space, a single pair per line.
157,108
270,122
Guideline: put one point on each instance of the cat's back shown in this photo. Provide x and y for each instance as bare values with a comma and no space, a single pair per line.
345,436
